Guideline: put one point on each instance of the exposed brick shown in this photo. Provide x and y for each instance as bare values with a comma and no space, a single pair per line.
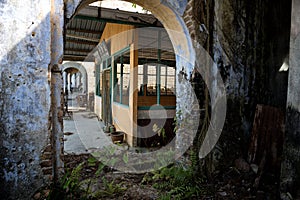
47,170
47,156
48,148
46,163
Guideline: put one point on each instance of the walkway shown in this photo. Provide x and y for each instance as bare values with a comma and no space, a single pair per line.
83,132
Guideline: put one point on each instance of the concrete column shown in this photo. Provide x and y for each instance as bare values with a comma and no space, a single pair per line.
57,24
290,175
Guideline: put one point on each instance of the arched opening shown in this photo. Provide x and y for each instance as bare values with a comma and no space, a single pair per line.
75,86
77,72
110,88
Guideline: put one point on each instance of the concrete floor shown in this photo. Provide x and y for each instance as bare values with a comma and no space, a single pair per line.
83,132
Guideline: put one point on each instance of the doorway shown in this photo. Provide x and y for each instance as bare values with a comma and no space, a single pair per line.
106,106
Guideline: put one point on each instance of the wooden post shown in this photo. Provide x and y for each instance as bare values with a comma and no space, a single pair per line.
134,87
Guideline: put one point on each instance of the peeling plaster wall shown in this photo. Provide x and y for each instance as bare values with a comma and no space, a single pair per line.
249,42
24,96
290,175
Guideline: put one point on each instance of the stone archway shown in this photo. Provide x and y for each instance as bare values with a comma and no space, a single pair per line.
81,69
170,13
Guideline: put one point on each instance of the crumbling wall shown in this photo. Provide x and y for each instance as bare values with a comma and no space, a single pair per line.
24,97
290,174
249,42
250,46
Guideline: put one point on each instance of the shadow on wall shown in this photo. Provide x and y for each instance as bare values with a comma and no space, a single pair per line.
24,100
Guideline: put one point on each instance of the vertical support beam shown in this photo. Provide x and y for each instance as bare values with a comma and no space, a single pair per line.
57,26
290,172
158,72
121,80
158,66
133,87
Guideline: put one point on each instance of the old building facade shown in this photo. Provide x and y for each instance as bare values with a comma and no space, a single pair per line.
250,45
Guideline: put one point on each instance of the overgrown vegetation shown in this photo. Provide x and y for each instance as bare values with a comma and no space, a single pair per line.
176,182
172,182
69,187
74,185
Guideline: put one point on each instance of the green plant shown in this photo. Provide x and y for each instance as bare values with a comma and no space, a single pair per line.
92,161
179,183
176,120
110,189
160,132
69,187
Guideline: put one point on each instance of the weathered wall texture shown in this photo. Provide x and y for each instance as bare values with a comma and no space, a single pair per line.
90,68
290,175
24,97
249,41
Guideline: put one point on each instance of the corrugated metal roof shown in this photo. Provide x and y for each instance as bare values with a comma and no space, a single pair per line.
83,33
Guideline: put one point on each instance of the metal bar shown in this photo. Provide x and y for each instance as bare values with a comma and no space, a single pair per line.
83,38
158,66
85,31
82,42
79,50
78,58
121,81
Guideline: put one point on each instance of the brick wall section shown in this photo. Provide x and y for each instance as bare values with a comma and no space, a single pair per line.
189,20
46,161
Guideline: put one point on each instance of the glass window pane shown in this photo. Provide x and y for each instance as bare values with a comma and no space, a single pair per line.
141,69
163,85
151,85
152,69
125,89
163,70
118,83
170,85
126,68
100,84
171,71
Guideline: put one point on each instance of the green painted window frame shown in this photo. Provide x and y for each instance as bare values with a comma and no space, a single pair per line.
97,80
120,54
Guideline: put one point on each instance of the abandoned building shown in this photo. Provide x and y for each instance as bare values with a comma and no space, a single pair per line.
230,68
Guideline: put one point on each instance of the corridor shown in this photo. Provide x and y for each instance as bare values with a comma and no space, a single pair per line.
83,133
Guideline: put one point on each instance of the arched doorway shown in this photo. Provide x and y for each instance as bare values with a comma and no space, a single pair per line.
72,68
170,15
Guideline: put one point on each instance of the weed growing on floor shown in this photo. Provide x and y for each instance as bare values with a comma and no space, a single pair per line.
176,182
69,187
74,186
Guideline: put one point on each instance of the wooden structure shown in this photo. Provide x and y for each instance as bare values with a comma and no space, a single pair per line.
135,77
266,143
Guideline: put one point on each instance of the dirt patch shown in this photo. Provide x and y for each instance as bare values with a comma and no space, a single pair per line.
102,182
